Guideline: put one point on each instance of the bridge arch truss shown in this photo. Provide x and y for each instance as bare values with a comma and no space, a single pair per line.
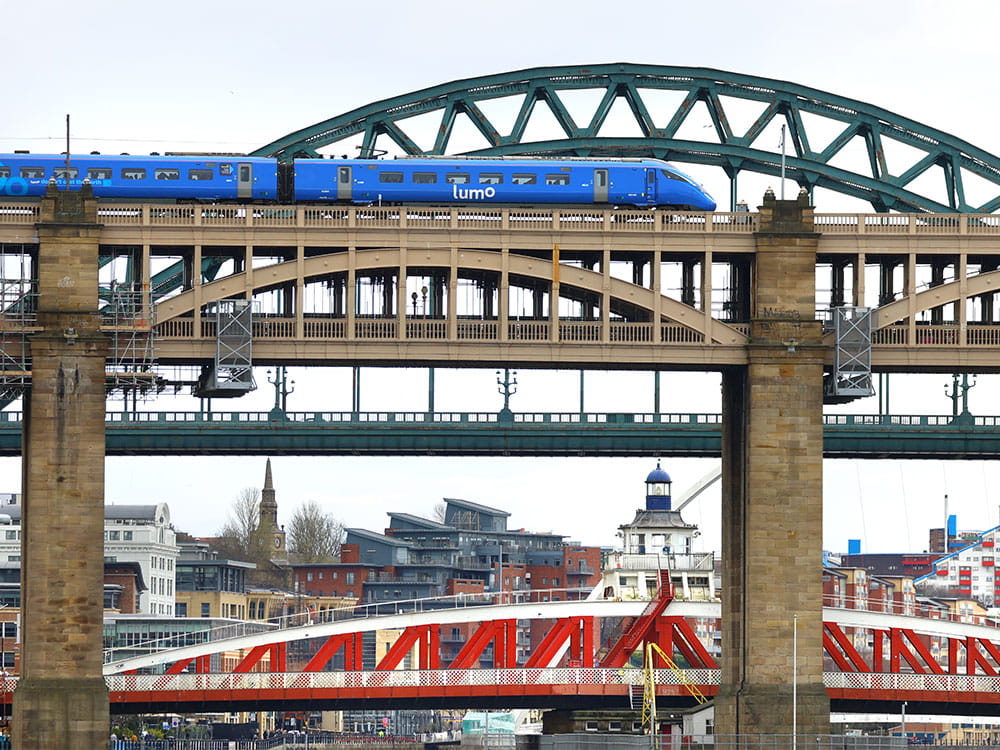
659,126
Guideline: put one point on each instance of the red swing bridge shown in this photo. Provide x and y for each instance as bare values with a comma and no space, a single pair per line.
588,658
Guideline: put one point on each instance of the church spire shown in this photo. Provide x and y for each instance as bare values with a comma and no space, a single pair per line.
268,504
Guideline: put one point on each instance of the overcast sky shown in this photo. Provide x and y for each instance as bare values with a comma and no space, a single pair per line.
228,76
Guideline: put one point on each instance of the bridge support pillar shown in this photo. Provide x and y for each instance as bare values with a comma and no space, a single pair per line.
62,699
772,459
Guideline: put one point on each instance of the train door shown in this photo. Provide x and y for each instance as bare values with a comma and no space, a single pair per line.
244,180
651,186
344,184
600,186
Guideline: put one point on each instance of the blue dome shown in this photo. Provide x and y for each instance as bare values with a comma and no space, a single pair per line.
658,475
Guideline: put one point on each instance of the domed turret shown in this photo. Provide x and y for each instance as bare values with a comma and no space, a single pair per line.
658,489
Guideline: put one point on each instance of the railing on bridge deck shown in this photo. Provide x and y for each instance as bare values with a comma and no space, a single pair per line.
630,332
540,218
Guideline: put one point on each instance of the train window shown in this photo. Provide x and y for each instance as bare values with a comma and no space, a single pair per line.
134,173
490,178
672,176
33,173
99,173
425,178
557,179
390,177
4,171
201,174
457,178
525,179
226,170
167,174
60,173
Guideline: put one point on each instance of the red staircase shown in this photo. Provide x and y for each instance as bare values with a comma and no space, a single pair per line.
641,627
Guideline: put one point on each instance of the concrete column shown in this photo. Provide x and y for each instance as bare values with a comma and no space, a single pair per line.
772,493
62,700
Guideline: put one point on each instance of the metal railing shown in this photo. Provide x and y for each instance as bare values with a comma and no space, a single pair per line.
360,611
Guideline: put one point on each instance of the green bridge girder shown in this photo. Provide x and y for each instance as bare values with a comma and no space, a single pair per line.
489,434
779,101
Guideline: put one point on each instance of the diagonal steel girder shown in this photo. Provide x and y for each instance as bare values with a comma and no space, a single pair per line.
783,102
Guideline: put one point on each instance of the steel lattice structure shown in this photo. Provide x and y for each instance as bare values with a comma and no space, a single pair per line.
734,152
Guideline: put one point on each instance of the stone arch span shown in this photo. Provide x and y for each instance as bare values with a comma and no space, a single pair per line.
317,267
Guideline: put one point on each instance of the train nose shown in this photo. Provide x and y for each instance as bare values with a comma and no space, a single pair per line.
705,201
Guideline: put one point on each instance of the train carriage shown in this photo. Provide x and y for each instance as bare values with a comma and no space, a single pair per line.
427,180
632,182
199,178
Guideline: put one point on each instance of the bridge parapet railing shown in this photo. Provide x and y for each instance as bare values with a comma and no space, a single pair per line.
406,217
694,420
666,680
20,212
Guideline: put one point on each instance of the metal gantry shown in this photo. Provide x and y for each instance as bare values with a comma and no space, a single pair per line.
659,124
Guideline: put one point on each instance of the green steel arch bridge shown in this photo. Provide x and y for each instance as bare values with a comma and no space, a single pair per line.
659,125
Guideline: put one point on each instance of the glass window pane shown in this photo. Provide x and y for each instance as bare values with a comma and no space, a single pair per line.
524,179
390,177
201,174
457,178
424,178
133,173
167,174
490,178
557,179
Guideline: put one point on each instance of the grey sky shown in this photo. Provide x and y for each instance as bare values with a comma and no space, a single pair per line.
232,76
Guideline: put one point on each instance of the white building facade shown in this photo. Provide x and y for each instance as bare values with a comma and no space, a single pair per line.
132,533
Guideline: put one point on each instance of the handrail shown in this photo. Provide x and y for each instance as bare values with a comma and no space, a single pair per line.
134,420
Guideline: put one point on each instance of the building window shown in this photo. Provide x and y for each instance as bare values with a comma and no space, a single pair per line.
182,609
349,578
614,726
206,610
590,726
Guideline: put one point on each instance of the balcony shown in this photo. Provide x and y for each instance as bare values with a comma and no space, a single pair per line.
700,561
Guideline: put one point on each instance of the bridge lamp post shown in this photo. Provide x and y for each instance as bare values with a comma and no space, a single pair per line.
281,391
795,681
507,387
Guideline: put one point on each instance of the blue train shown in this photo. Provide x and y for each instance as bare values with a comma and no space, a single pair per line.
439,181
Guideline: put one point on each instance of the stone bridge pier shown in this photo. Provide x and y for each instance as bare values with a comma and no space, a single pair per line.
772,516
61,700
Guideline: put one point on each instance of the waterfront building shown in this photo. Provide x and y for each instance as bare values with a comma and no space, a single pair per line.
657,541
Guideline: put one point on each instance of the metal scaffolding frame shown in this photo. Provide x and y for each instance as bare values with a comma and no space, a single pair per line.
852,355
231,374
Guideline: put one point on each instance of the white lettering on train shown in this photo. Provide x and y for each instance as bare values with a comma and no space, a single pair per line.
472,194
